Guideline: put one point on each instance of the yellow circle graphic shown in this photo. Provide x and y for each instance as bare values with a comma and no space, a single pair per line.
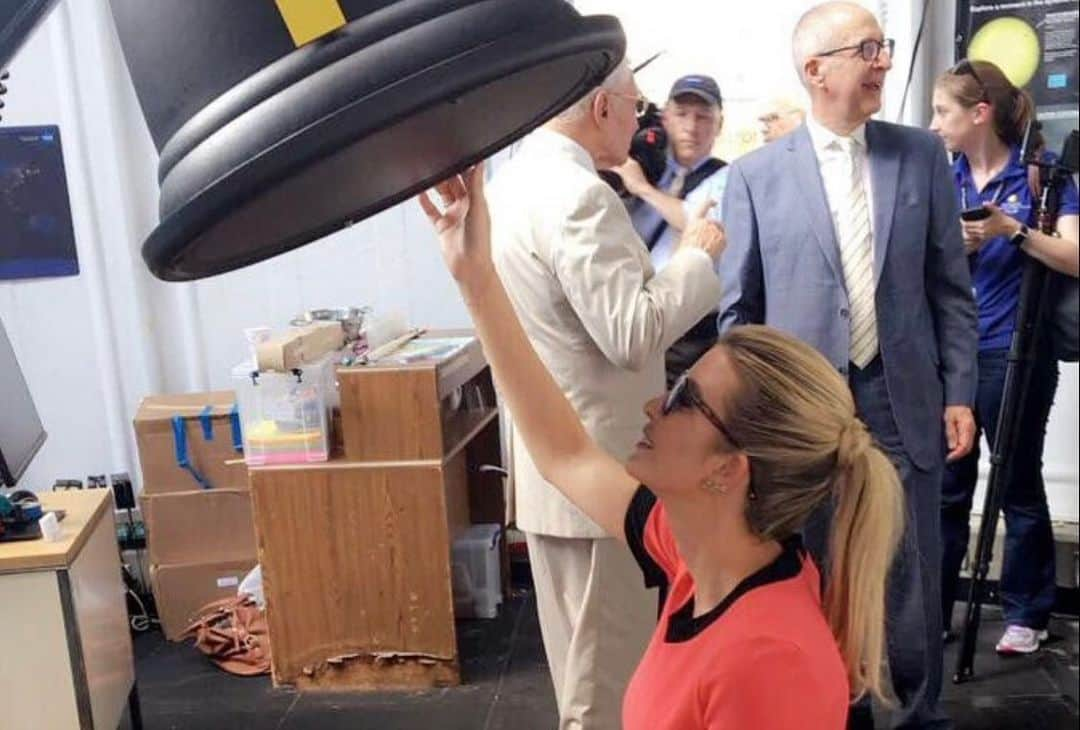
1011,44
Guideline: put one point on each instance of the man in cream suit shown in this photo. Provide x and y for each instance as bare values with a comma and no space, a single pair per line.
581,282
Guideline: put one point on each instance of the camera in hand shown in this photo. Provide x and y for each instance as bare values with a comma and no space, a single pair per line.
648,148
978,213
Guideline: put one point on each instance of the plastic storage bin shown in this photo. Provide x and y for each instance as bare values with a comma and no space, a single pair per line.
477,572
285,416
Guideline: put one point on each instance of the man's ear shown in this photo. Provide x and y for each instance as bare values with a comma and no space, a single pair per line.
812,70
601,103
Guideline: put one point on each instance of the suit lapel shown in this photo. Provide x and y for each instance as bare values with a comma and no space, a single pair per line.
884,173
812,190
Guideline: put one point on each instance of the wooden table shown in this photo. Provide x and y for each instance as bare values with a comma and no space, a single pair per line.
66,658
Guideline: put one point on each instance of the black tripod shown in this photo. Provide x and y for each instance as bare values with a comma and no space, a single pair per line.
1035,291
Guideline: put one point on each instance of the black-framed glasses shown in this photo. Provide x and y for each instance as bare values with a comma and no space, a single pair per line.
967,68
685,393
641,104
869,49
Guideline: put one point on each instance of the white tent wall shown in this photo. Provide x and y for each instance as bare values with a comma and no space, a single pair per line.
91,346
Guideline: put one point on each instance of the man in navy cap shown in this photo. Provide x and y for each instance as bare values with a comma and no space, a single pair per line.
692,119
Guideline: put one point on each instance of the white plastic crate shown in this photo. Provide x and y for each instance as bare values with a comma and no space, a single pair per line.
477,572
285,416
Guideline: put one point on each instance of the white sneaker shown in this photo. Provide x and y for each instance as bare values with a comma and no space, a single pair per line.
1020,640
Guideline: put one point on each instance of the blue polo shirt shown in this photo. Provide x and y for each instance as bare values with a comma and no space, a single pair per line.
998,267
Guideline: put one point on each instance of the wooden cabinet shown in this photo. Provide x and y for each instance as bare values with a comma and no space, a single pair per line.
356,552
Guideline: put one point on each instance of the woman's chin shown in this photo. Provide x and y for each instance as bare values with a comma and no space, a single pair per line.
636,465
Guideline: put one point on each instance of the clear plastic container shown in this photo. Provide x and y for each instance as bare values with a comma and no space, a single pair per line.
285,416
477,572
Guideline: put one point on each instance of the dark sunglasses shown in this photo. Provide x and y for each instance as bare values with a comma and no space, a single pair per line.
685,394
869,50
967,68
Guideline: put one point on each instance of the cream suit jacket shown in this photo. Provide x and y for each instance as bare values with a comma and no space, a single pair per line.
581,281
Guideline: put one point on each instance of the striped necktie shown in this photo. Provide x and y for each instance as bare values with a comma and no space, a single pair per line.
678,180
857,259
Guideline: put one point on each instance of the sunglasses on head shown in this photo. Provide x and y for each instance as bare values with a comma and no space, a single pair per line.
685,394
967,68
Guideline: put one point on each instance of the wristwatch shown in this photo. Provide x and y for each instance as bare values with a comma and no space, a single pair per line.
1017,239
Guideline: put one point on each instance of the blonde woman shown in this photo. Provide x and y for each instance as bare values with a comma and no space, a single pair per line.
759,432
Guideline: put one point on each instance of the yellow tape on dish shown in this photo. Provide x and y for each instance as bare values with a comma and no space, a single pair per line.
310,19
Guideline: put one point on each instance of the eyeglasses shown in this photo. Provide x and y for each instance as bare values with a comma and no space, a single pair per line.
684,394
641,104
869,49
967,68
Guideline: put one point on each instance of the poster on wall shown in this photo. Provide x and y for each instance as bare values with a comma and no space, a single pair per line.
1035,42
36,235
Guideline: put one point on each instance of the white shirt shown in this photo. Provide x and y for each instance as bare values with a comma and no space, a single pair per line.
832,163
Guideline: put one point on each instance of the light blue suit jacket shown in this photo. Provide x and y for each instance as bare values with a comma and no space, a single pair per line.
782,268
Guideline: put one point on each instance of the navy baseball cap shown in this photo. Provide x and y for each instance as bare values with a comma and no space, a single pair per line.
703,87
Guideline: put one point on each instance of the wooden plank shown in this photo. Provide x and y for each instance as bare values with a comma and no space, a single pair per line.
355,562
84,508
301,346
463,426
100,607
390,414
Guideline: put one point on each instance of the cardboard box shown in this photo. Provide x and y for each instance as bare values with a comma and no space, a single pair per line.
215,459
198,527
181,590
301,346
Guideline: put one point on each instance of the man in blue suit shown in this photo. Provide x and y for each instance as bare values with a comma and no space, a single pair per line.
846,234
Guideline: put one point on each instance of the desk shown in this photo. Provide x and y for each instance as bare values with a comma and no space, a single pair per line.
65,655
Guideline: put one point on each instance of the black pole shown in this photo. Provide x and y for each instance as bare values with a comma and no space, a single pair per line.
1022,353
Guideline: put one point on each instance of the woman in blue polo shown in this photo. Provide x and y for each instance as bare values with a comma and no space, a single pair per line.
982,117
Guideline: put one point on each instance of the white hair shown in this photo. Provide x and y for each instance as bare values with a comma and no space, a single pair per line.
817,31
619,77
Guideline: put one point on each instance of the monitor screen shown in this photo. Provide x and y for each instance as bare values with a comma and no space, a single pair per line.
35,214
21,433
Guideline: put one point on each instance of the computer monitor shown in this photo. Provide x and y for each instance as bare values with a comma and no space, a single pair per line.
21,432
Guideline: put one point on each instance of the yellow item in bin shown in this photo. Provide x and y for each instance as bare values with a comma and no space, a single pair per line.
267,435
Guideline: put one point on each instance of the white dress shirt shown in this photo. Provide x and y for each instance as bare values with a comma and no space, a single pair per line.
834,170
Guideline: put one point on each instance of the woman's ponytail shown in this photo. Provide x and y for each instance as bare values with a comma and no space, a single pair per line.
794,416
866,527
